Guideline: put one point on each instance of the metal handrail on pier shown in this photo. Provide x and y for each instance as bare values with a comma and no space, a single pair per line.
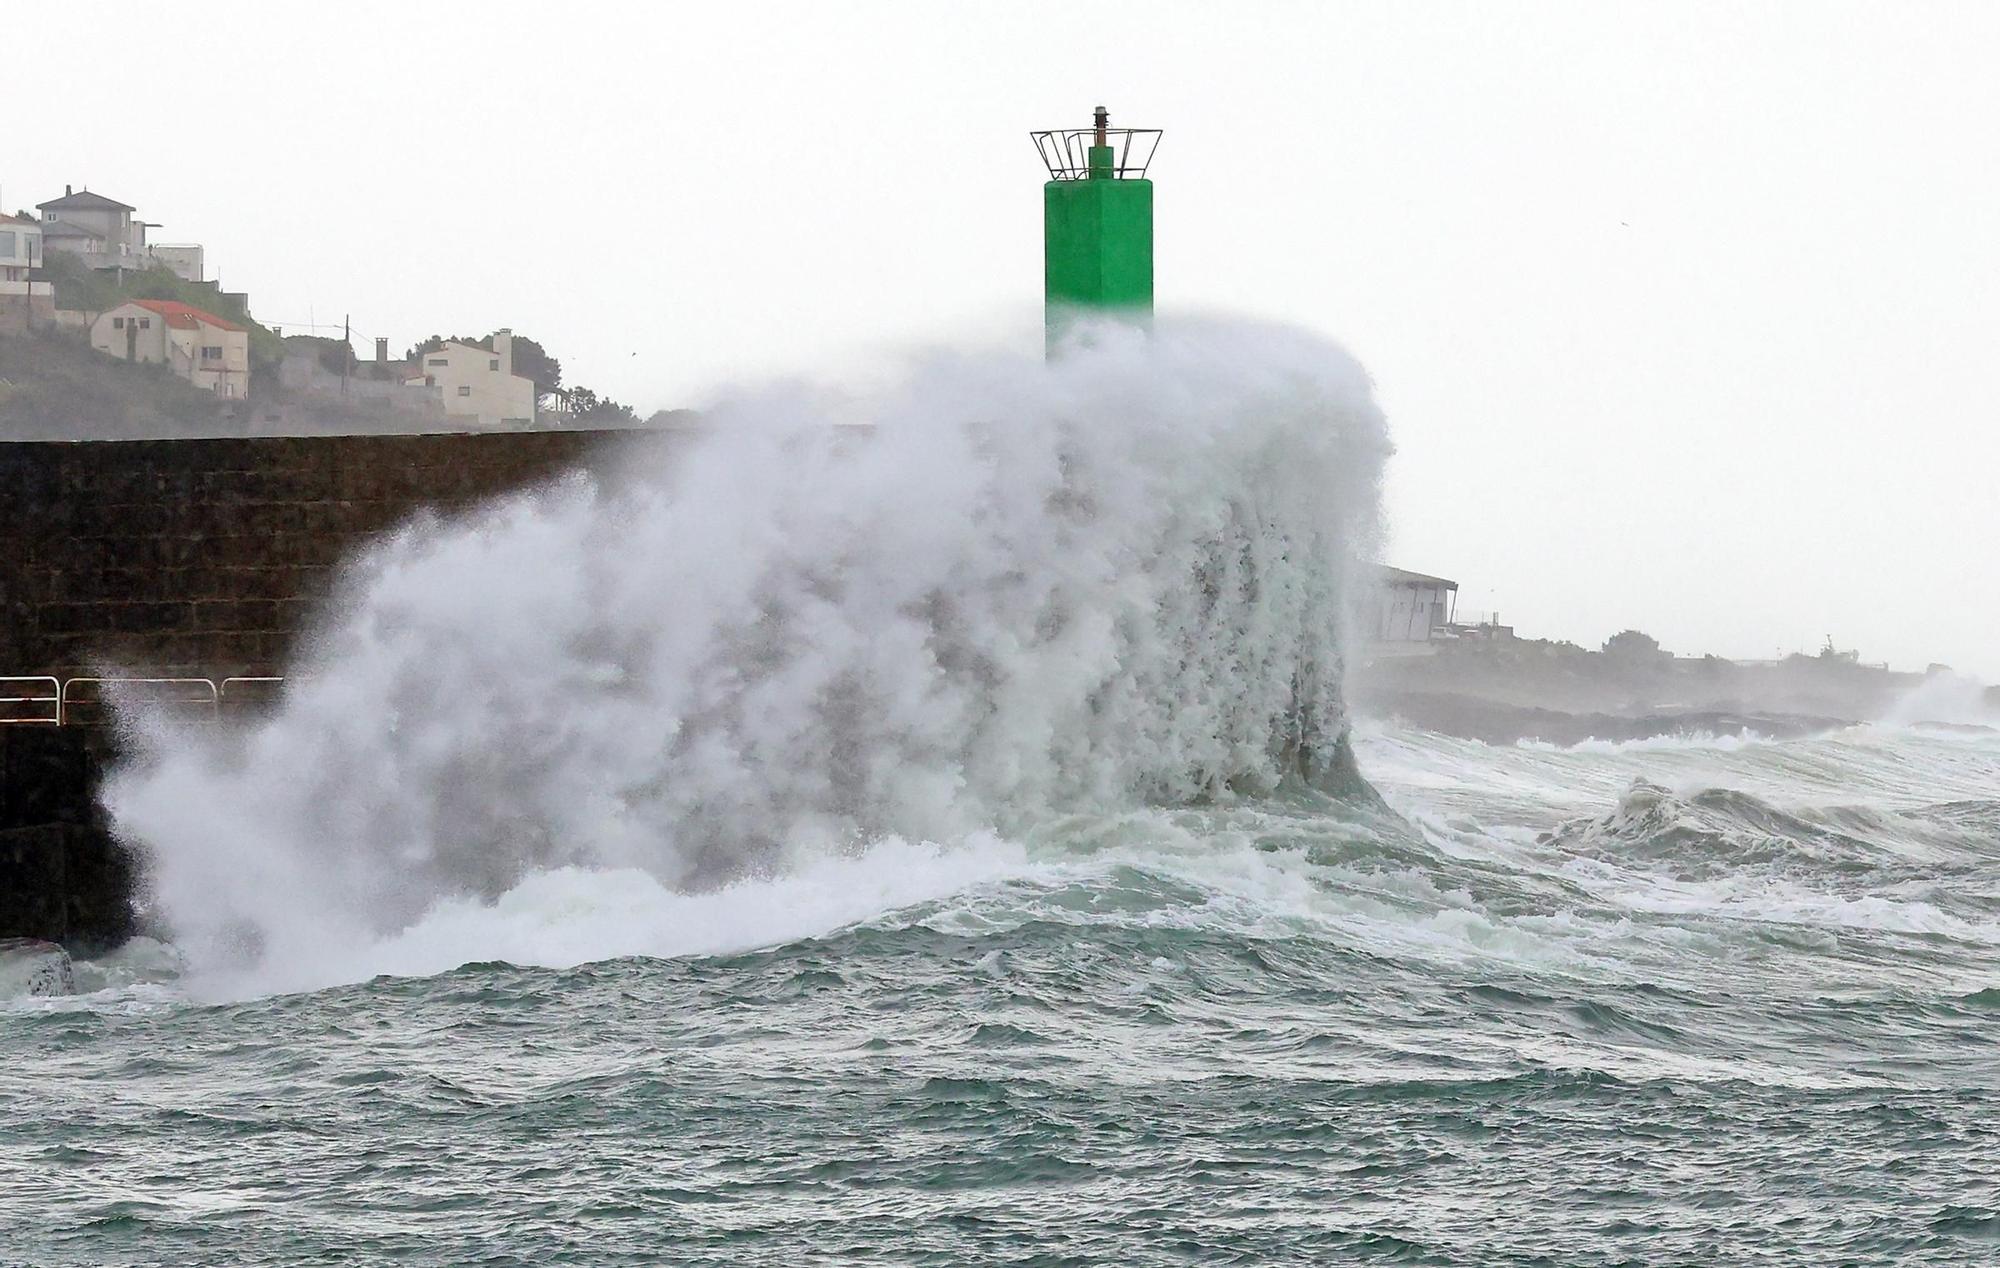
200,692
240,683
11,701
49,701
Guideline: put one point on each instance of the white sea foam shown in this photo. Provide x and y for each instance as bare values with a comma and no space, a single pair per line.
574,915
1684,741
1423,772
1020,589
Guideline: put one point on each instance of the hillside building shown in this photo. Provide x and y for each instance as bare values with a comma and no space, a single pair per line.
310,372
208,351
478,385
63,235
20,247
93,225
24,302
183,259
108,234
1410,607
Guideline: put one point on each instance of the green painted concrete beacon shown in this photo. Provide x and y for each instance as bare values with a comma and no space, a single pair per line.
1097,223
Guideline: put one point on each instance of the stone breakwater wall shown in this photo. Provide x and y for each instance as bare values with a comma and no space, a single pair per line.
198,558
204,557
63,877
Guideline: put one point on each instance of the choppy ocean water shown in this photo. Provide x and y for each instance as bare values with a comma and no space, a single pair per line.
1687,1001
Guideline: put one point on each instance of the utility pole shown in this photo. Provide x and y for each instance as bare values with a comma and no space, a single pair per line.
346,347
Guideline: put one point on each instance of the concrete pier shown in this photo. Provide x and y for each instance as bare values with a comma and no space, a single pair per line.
203,557
63,878
195,558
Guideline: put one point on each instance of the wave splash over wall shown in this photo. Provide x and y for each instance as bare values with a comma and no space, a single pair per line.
993,591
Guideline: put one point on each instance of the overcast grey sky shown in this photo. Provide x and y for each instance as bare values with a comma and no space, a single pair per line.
1685,315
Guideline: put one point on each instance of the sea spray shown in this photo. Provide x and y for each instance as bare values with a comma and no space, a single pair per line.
992,591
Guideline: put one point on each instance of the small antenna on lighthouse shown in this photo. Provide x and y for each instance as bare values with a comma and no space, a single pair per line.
1103,121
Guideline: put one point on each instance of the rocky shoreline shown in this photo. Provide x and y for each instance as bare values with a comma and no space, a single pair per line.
1505,691
1494,722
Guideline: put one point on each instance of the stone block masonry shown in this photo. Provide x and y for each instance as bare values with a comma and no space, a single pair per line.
63,877
205,557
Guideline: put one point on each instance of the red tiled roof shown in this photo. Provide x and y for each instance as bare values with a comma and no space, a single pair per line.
185,316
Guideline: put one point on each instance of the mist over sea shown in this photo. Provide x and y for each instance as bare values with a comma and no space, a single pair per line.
932,842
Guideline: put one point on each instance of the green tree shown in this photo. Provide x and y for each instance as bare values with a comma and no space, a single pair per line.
432,344
532,361
588,409
1633,645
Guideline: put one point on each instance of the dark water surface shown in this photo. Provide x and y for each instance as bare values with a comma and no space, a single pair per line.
1680,1002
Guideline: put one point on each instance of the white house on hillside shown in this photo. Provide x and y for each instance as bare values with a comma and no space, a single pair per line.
208,351
478,384
23,302
20,247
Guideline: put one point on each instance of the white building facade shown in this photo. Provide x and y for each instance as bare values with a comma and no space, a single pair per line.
1411,607
478,385
208,351
183,259
20,248
24,302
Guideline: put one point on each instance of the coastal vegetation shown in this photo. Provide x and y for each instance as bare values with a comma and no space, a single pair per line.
51,379
81,288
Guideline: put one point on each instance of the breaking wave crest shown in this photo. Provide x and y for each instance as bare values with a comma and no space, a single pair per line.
994,591
1864,832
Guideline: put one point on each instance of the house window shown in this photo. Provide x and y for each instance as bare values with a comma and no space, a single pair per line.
145,323
465,391
211,352
494,364
118,323
437,361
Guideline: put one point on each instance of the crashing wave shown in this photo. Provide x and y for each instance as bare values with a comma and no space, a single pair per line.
1016,589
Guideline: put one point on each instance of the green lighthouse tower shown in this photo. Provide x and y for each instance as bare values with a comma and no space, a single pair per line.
1097,223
